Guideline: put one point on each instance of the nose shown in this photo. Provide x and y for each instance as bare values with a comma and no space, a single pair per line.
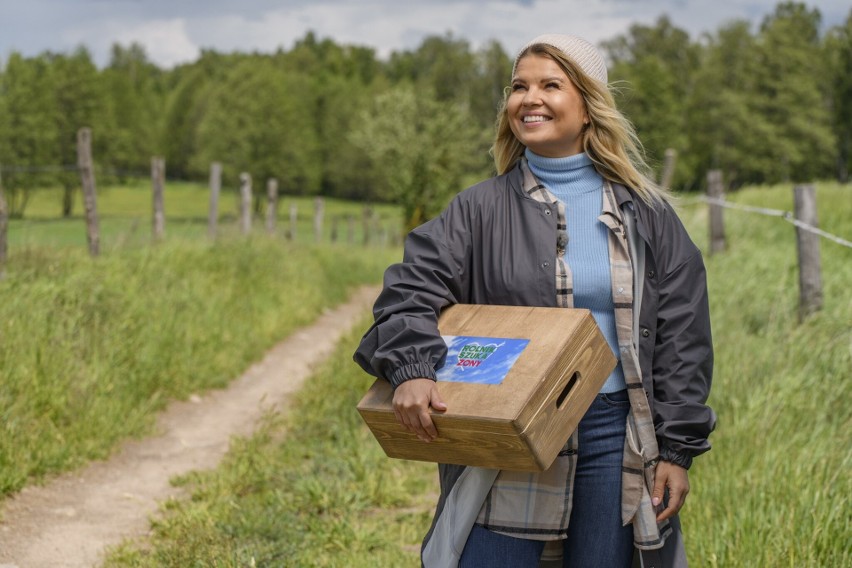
532,97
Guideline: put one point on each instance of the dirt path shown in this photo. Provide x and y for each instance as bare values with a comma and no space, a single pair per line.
70,521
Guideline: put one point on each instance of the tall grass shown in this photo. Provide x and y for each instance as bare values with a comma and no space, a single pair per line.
125,216
774,491
91,350
310,489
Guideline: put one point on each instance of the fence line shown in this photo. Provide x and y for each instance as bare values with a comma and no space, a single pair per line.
786,215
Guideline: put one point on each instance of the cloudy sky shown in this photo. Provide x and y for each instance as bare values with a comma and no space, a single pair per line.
174,31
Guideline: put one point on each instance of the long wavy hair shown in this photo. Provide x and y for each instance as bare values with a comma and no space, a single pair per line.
609,139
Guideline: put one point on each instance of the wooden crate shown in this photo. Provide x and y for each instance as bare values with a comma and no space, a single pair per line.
522,422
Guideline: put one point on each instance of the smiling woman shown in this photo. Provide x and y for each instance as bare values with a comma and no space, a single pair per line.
563,225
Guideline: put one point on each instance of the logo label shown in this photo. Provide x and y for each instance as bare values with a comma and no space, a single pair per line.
480,360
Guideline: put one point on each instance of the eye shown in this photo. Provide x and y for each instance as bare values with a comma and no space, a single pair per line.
552,85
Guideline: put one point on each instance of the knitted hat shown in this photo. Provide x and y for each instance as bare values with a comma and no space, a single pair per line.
580,52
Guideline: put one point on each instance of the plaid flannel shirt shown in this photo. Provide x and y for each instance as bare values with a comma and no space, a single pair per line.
538,505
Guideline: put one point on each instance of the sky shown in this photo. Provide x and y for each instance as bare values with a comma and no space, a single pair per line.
174,31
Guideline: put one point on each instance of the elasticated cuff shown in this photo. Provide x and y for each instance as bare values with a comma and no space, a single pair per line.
677,458
412,371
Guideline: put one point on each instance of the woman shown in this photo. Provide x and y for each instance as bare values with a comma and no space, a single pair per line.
551,230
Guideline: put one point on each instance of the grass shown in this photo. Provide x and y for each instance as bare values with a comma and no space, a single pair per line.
125,217
90,350
310,489
313,489
775,490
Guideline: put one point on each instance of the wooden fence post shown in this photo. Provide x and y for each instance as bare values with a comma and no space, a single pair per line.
319,211
87,177
294,217
335,221
158,181
807,245
245,203
215,188
668,168
4,231
367,218
716,190
350,229
271,204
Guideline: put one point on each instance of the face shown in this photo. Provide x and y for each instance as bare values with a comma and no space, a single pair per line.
546,111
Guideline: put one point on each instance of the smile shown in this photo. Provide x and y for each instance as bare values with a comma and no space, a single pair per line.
535,118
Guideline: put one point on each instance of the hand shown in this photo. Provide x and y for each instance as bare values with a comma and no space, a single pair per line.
676,479
411,402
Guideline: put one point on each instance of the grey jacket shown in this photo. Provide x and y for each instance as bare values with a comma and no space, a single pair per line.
495,245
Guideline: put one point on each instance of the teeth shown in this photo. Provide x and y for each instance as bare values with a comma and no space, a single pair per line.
535,118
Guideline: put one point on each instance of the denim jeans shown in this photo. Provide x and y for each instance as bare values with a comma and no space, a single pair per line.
596,537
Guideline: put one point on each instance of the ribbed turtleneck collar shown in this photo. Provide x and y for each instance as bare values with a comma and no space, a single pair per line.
573,175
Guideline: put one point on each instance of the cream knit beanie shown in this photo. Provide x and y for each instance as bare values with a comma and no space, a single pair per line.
577,50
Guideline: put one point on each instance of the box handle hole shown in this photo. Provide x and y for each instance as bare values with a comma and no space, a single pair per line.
564,394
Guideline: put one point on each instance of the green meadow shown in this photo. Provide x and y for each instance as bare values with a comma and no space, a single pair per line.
91,350
314,489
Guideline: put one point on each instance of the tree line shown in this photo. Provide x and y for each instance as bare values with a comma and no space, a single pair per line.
766,105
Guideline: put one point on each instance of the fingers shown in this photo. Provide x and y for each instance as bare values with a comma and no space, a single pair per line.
675,479
411,403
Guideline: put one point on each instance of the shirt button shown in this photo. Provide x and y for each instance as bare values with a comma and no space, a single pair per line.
545,264
645,332
547,211
621,290
652,274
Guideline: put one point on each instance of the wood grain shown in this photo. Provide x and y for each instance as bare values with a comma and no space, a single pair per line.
516,424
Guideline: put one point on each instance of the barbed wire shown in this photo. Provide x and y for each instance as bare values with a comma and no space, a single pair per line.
786,215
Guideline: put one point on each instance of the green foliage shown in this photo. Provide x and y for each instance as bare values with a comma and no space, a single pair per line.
763,105
309,489
257,122
134,103
774,491
91,350
313,489
657,63
28,128
424,149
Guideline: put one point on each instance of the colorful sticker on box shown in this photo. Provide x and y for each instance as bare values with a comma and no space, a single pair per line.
479,360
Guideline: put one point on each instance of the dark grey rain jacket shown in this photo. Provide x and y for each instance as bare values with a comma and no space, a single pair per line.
494,244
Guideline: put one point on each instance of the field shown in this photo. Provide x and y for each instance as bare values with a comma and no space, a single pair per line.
186,205
313,489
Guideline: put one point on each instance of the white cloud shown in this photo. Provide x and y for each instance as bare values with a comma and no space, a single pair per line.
166,42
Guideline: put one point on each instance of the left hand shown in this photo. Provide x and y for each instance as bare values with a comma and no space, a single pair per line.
676,479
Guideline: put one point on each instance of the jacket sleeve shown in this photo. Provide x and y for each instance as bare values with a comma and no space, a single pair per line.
404,343
682,365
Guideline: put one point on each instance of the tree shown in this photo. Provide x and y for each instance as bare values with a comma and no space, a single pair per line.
726,131
789,93
424,149
259,120
80,101
838,54
657,64
135,98
28,130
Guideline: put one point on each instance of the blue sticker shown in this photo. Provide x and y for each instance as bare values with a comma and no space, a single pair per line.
480,360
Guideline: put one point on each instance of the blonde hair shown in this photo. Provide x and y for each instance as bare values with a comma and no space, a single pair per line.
609,139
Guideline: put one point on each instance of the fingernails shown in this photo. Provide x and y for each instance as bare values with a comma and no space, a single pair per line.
655,501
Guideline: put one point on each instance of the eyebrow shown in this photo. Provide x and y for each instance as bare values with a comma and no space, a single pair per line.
542,80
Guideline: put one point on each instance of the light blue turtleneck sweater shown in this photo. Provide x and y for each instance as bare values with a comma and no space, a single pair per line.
576,183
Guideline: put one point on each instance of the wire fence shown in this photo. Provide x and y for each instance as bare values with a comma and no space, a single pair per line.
786,215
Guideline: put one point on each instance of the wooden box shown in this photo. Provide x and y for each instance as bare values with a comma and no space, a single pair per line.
522,420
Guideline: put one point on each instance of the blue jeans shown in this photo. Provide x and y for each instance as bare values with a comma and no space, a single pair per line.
596,537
